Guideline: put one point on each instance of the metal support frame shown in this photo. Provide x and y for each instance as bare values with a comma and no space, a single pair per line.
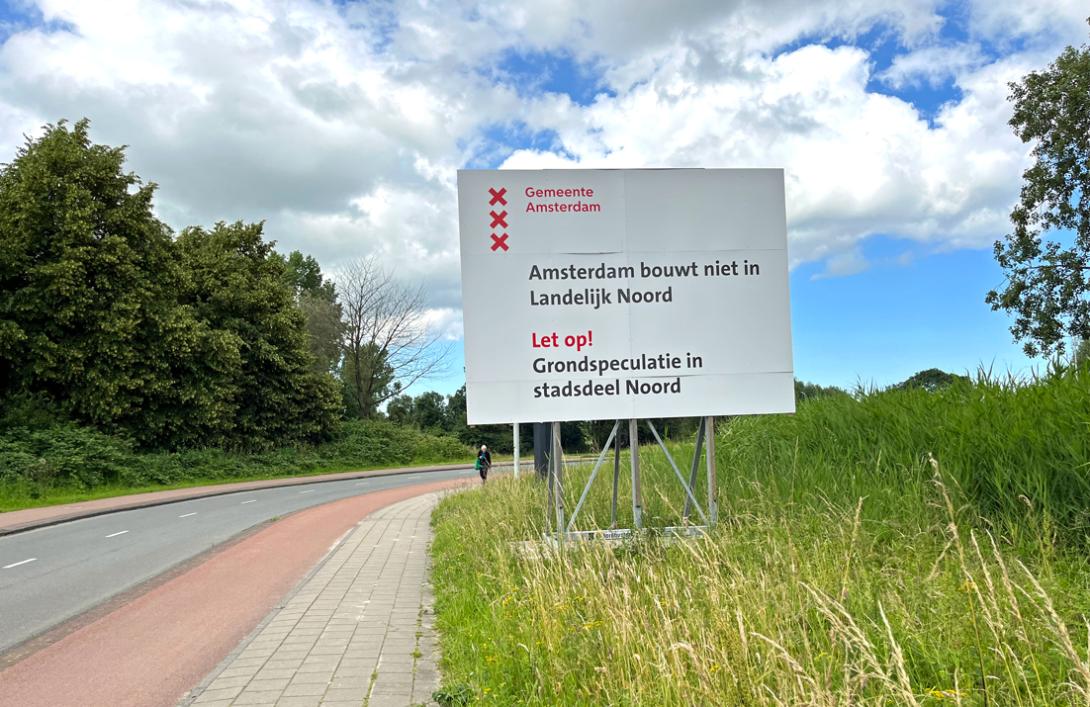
713,488
634,463
563,528
677,472
695,466
616,475
515,435
556,466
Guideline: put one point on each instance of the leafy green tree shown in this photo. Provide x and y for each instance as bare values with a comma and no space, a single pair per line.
322,313
88,316
325,327
809,391
304,274
456,410
932,379
430,411
367,381
233,282
400,410
1048,284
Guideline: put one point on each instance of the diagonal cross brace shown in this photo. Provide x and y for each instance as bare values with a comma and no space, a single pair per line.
593,474
684,484
698,449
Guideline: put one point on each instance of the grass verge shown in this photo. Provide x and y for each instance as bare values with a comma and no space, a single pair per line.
66,463
902,548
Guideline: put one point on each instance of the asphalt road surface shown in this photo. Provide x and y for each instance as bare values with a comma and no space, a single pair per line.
52,574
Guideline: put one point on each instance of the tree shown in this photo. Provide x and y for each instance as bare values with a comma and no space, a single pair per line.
234,282
809,391
400,410
322,313
456,410
304,274
932,379
88,315
324,324
366,381
1047,283
1082,354
430,411
387,346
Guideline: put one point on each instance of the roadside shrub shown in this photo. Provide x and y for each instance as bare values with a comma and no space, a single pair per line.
380,441
64,454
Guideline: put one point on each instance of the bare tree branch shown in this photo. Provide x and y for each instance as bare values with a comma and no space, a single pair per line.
387,344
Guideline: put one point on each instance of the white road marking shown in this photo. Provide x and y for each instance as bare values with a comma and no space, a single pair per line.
186,515
23,562
252,500
310,491
114,535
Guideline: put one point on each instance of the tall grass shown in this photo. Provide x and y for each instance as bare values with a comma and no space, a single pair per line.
1018,453
899,548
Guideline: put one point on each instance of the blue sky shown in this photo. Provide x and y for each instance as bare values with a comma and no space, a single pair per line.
342,124
908,308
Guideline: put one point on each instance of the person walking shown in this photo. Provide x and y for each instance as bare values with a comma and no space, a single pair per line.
484,462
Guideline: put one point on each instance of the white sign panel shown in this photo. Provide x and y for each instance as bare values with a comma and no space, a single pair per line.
611,294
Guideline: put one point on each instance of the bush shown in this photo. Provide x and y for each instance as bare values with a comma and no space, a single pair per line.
64,454
67,456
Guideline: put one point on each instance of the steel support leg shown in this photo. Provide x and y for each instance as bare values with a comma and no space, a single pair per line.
616,477
713,488
634,451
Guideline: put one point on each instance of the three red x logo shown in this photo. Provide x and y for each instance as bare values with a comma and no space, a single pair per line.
498,219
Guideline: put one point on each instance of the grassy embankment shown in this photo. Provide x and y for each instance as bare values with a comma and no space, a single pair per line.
904,548
64,463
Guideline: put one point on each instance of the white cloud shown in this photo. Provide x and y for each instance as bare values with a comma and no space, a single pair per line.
1041,22
849,262
857,162
447,322
932,65
342,127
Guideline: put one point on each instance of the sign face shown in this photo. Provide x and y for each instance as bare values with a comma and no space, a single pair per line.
613,294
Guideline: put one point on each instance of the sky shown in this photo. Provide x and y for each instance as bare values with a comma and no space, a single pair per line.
342,125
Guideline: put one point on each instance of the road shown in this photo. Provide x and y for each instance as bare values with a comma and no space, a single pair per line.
55,573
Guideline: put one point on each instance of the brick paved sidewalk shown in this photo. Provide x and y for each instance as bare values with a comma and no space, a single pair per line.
358,632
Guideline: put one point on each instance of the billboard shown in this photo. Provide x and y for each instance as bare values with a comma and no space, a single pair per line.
614,294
